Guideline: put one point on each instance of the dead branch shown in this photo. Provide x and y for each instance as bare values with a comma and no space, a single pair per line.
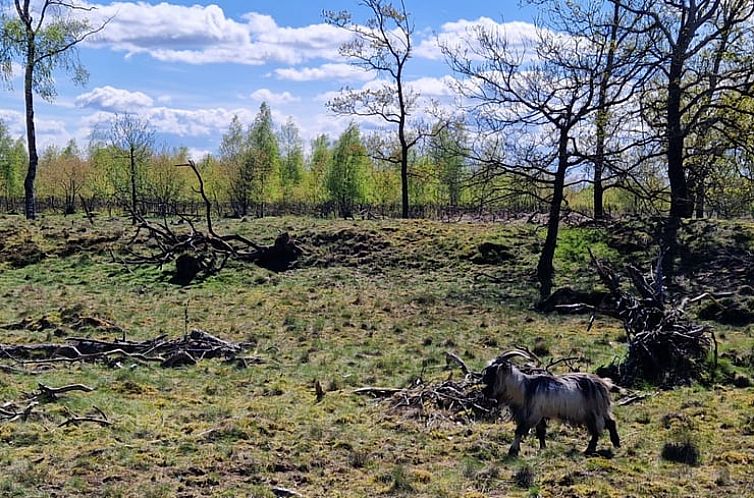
12,411
187,350
285,492
378,392
664,346
78,420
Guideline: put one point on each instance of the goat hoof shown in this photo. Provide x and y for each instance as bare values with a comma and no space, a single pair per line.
512,452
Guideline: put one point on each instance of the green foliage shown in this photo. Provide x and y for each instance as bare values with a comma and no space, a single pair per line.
253,159
12,161
446,151
291,161
47,47
574,244
319,164
347,173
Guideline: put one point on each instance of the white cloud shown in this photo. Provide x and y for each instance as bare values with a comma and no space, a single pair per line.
433,87
202,34
198,154
112,99
181,122
266,95
328,71
460,34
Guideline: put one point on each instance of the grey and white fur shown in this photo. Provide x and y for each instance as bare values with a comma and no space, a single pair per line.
576,398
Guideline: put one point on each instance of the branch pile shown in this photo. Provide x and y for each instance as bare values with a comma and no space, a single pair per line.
664,346
204,253
459,401
186,350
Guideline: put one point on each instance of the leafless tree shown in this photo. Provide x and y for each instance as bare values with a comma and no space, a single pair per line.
129,137
533,107
382,45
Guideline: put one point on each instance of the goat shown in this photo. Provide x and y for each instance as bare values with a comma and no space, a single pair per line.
577,398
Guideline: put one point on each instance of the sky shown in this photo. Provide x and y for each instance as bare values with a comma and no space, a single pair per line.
188,67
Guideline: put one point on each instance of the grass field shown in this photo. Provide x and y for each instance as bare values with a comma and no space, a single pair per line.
374,303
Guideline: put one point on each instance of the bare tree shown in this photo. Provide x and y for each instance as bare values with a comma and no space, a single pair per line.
533,108
382,45
130,137
44,35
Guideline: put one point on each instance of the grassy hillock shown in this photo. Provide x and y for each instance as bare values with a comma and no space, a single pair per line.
372,303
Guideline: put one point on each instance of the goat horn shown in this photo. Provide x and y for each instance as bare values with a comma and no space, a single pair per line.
514,353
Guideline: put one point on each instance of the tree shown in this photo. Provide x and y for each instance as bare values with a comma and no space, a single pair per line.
73,172
232,150
447,152
164,182
291,159
44,36
319,162
699,51
382,45
262,160
345,178
532,109
12,157
130,137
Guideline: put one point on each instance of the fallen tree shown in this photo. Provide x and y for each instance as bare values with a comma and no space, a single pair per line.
665,347
202,253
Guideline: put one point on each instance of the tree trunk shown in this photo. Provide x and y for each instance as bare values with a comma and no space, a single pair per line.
133,184
599,190
700,197
404,183
603,116
680,202
30,208
545,269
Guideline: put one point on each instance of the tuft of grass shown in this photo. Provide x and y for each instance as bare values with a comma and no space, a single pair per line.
685,452
524,477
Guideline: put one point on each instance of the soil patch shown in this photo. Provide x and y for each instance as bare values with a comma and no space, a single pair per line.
18,249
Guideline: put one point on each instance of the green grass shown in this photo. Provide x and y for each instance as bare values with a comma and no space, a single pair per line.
377,303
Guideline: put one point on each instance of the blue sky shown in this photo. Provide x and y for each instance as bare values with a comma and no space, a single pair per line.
190,66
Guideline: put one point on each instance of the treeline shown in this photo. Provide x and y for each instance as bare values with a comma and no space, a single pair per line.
263,170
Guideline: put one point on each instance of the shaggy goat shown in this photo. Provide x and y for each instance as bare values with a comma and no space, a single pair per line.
576,398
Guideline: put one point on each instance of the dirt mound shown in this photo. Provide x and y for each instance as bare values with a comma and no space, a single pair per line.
736,310
88,242
492,253
344,247
18,249
65,322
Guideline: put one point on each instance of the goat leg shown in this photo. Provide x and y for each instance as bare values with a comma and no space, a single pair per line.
594,431
610,424
541,433
521,431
